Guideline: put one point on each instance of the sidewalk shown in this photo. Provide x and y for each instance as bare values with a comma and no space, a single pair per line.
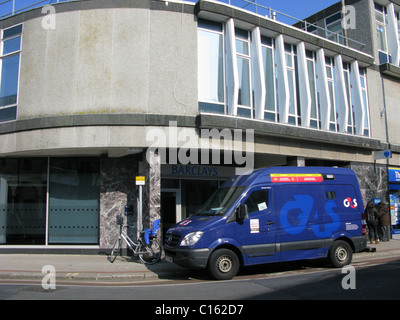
97,269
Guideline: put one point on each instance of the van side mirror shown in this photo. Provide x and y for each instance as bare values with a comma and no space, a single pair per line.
242,212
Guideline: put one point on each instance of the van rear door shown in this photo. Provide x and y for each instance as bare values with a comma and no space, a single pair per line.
257,233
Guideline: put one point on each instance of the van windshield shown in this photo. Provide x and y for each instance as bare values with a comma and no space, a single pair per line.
219,203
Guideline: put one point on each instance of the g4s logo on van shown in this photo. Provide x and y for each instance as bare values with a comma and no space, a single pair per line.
295,216
350,203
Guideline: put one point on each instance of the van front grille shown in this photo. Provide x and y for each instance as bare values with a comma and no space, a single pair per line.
172,240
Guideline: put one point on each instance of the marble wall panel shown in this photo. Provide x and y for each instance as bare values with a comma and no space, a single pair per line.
373,180
117,189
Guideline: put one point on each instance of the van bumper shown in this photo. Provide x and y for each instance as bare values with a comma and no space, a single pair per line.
188,258
360,243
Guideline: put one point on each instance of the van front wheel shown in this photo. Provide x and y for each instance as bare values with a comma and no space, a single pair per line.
223,264
340,254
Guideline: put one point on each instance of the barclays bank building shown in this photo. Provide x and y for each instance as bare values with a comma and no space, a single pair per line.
95,92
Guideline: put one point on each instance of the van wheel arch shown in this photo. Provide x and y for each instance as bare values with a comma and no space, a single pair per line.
236,250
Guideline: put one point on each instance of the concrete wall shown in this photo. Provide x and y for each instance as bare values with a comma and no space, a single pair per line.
127,60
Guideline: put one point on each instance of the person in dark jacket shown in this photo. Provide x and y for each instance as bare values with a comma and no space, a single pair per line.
384,221
372,215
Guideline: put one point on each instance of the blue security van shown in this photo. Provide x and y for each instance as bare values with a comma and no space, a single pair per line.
272,215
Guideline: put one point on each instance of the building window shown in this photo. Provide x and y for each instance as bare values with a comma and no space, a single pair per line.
270,113
74,192
23,192
9,71
350,119
334,30
331,87
211,82
242,40
363,81
381,19
290,55
315,115
49,201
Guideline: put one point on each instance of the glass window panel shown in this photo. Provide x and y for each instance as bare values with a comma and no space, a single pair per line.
23,187
332,98
364,96
292,109
312,80
268,60
12,31
244,97
242,47
9,80
74,201
243,112
289,60
329,72
11,45
211,25
7,114
380,17
381,35
210,68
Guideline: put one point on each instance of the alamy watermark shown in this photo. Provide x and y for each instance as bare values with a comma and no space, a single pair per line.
49,278
206,146
349,280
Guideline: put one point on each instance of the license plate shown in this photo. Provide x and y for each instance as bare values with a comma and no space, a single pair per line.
169,259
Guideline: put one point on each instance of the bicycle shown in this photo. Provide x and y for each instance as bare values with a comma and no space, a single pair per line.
147,248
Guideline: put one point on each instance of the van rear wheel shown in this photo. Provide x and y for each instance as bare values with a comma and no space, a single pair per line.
340,254
223,264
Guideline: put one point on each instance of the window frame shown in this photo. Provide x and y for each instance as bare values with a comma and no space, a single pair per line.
245,57
206,105
3,39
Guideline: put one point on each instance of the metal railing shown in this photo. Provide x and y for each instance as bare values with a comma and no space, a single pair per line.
11,7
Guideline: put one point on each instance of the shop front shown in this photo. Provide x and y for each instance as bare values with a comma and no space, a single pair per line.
49,201
184,188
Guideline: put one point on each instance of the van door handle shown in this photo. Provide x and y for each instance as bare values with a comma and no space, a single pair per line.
269,222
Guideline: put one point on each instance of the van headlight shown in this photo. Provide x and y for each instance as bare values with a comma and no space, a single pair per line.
191,239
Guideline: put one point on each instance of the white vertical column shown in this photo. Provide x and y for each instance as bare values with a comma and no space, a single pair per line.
258,74
283,93
341,95
323,89
393,35
232,75
358,101
304,85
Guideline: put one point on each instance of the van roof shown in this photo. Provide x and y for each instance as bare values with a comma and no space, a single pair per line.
283,175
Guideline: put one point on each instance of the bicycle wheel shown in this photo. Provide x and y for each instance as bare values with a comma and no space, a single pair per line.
115,250
150,253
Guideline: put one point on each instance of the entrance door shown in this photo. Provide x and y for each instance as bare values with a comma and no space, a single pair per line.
170,208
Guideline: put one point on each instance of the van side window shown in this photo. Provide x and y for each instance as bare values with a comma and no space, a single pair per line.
257,201
331,195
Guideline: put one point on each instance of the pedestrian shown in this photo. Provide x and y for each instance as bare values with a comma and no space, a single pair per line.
371,214
384,221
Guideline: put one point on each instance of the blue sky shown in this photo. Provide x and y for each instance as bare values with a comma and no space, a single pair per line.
296,8
300,9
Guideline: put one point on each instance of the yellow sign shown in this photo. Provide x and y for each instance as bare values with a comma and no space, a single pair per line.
140,180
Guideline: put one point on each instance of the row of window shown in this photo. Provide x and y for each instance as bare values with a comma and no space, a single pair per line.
10,49
382,33
214,80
